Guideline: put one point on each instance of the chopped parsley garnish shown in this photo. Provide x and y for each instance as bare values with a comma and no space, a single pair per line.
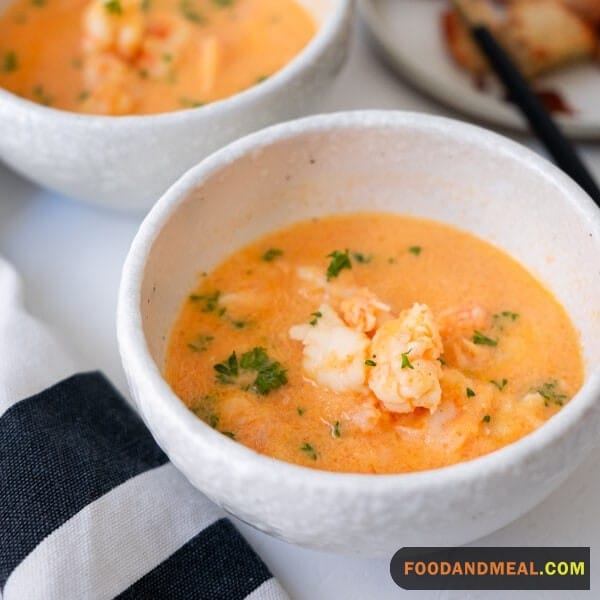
227,370
416,250
10,62
200,343
339,261
501,384
336,430
309,450
442,361
316,316
261,79
167,57
213,421
229,434
113,7
38,2
370,363
145,5
223,3
550,393
270,375
470,393
143,73
41,96
208,302
83,95
359,257
189,12
406,364
392,261
300,411
487,419
483,340
239,324
271,254
502,317
190,103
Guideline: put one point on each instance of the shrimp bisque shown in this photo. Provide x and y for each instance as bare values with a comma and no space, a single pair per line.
117,57
373,343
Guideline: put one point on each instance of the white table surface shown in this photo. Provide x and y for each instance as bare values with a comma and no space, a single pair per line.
70,257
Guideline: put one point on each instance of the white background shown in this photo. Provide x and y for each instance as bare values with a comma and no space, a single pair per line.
70,257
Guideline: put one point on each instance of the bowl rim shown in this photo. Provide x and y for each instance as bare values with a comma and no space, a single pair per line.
136,357
309,55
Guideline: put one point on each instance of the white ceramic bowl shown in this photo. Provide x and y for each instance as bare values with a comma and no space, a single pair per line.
127,162
377,161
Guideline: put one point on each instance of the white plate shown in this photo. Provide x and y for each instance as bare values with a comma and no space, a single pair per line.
409,33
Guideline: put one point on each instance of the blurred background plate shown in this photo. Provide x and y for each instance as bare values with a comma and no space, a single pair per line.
409,33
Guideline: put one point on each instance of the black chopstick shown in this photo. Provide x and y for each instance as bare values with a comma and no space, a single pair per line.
559,147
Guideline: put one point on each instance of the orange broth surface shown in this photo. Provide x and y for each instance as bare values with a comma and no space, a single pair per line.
145,56
526,364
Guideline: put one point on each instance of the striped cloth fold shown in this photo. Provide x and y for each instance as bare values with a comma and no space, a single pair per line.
90,507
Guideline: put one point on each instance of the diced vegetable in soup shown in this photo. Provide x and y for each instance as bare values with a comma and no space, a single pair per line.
373,343
117,57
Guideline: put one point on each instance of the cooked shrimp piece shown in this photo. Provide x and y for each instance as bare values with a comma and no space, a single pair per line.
313,281
362,310
108,80
114,27
211,53
164,40
457,327
334,355
407,371
364,417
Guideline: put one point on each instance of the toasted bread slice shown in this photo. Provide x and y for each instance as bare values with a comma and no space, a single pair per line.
541,35
588,10
458,38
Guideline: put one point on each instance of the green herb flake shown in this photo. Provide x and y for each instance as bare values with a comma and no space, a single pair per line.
113,7
270,375
223,3
271,254
83,96
361,258
487,419
300,411
208,302
406,364
416,250
316,316
188,11
10,62
339,261
143,73
470,393
483,340
337,429
190,103
261,79
309,450
41,96
550,392
500,384
146,5
227,370
392,261
240,324
229,434
38,3
200,343
167,57
213,421
370,363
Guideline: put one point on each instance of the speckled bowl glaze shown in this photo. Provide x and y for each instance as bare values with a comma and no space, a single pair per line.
127,162
377,161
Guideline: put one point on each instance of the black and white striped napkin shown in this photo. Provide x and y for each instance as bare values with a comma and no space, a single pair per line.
90,507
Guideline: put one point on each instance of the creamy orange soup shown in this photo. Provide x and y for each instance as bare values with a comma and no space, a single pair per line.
373,343
145,56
